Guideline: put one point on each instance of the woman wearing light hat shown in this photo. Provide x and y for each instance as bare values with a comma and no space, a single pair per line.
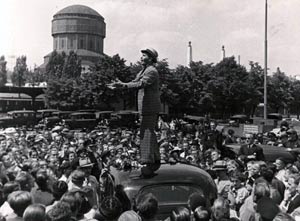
147,83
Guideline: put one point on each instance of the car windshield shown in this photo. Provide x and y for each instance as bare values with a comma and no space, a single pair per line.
171,193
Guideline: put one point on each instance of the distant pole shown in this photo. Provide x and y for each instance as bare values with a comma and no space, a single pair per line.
239,59
223,50
189,54
266,60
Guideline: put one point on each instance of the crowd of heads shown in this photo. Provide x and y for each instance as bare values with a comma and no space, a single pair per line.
60,174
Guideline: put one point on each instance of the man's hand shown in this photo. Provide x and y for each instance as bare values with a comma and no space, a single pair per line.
116,84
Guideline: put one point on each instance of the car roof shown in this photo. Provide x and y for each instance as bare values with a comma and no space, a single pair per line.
167,174
21,111
82,113
125,112
46,110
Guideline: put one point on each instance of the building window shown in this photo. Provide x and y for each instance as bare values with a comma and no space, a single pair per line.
62,44
91,44
55,43
82,44
71,42
98,45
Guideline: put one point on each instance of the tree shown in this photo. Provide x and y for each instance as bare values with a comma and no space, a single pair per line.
167,80
228,87
55,65
3,71
279,91
18,77
35,77
62,75
107,70
295,92
72,66
255,89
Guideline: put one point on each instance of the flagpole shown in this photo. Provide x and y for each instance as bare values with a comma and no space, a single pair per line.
266,60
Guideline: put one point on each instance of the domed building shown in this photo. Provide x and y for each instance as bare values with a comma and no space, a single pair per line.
81,29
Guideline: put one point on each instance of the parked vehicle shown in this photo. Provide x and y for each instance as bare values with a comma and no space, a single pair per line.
55,118
103,115
172,185
42,114
18,118
124,118
238,119
271,152
82,120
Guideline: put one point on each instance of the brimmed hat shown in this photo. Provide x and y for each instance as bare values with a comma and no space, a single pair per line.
57,128
85,162
151,52
10,130
176,149
129,215
220,165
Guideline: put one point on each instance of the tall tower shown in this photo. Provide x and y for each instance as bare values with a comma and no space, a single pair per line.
81,29
189,54
223,52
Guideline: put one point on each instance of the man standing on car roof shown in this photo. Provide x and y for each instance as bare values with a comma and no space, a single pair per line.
147,83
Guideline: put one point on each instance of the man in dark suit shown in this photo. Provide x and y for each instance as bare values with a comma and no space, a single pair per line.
250,150
147,83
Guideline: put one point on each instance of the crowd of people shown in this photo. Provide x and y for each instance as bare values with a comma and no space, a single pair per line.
59,174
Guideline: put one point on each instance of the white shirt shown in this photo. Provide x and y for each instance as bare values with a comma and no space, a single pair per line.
5,209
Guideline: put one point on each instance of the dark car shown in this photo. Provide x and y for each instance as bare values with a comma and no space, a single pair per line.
18,118
238,119
80,120
124,118
41,114
103,115
172,185
56,118
271,152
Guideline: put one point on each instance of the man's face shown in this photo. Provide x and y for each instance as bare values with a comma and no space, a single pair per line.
291,186
54,153
71,156
43,164
145,59
7,161
3,144
249,139
80,143
254,170
185,146
53,161
213,125
34,154
215,156
279,164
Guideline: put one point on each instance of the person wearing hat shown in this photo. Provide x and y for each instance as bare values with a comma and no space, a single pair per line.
147,83
86,165
293,140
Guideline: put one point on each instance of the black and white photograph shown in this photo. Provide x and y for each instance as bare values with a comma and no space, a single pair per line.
149,110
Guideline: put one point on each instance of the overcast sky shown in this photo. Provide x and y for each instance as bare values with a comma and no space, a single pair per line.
166,25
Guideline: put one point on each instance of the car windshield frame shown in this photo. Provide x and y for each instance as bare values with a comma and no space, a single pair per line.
149,189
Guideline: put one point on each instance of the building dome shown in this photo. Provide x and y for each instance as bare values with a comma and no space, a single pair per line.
78,9
80,29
